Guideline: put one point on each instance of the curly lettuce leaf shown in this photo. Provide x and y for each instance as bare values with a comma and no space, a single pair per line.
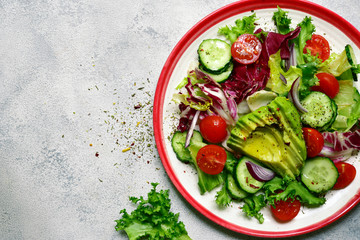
279,189
282,21
252,206
289,189
309,79
231,162
242,26
152,219
222,197
307,29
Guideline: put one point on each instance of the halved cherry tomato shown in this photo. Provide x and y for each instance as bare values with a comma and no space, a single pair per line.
286,210
211,159
213,129
347,174
318,45
328,84
314,141
246,49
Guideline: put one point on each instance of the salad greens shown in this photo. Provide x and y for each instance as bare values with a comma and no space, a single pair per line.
348,102
309,79
242,26
222,197
252,206
282,21
206,182
307,29
274,83
152,219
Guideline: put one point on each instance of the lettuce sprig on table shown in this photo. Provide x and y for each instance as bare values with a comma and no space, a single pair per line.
152,219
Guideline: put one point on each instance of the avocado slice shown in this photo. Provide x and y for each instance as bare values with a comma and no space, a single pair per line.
272,134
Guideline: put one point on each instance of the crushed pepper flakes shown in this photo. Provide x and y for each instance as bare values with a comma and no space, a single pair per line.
137,134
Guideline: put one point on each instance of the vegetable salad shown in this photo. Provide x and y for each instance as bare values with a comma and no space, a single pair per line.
284,88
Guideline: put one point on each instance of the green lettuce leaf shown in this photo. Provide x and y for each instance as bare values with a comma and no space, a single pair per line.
152,219
337,64
309,79
274,83
289,189
282,21
348,103
231,162
206,181
252,206
244,25
222,197
279,189
307,29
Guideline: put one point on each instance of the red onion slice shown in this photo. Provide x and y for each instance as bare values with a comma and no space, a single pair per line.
294,96
292,59
283,79
259,173
191,129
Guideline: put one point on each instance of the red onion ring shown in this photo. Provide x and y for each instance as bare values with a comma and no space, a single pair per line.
294,96
191,129
283,79
259,173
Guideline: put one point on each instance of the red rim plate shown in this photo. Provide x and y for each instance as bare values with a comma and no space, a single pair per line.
217,16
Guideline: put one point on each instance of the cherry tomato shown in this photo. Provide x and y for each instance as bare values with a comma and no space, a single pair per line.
211,159
314,141
286,210
213,129
328,84
246,49
318,45
347,174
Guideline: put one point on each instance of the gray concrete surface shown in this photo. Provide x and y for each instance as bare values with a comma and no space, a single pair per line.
72,73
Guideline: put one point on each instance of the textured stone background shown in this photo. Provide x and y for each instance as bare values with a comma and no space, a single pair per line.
72,73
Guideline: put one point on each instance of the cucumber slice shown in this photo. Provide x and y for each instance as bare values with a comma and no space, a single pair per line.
234,190
322,110
222,76
178,145
214,55
319,174
351,59
244,178
334,108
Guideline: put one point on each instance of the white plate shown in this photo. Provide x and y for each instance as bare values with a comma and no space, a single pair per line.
338,32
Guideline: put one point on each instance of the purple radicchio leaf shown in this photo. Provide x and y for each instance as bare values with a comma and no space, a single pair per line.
343,141
276,41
